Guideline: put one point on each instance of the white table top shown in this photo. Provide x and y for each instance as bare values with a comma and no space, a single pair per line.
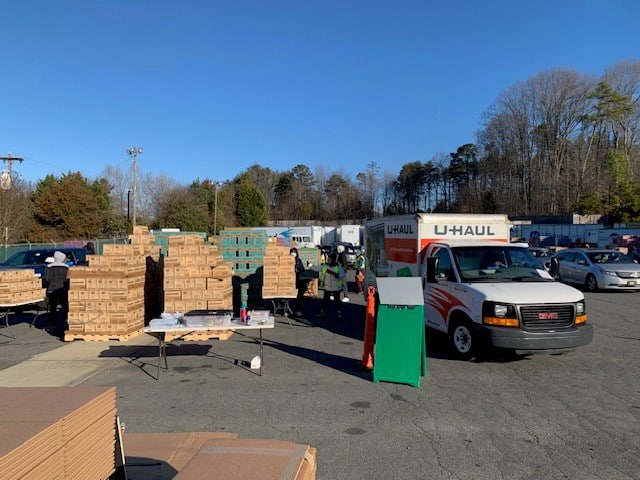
20,304
234,325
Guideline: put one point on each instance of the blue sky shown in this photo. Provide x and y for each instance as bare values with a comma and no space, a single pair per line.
209,88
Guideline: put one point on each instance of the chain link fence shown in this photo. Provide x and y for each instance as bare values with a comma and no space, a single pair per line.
9,249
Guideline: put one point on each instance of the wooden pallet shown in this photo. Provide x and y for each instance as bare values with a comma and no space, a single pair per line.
199,336
97,337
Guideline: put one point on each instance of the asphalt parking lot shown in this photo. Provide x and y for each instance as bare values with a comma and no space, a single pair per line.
575,415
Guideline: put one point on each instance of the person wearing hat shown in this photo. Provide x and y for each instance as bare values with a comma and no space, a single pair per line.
55,280
342,260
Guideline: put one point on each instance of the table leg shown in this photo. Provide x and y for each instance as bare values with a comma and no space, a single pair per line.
261,355
162,353
6,321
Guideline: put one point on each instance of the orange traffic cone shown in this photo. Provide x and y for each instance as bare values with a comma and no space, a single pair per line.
367,357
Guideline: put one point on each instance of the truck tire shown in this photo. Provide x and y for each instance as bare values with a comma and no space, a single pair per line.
462,339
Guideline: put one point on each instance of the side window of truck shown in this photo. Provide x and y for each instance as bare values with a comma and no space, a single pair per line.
444,264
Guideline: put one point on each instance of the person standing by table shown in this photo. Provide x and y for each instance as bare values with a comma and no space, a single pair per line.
55,280
332,277
301,285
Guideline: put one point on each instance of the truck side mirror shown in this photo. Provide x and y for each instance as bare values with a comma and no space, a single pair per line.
432,269
554,266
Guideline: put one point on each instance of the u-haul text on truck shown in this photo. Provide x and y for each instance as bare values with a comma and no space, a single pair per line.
479,289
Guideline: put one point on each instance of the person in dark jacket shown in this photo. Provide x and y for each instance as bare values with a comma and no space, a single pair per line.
342,260
55,280
332,278
301,285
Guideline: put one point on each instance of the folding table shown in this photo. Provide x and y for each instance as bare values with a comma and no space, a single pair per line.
7,308
160,332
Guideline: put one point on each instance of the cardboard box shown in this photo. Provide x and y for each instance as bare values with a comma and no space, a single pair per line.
248,459
160,456
57,432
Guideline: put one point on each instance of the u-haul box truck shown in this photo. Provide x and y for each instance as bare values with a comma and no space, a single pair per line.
479,289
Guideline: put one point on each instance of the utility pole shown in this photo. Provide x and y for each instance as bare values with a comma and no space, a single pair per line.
133,152
6,177
5,184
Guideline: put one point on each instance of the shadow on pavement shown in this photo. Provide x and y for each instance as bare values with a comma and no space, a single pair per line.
134,354
346,365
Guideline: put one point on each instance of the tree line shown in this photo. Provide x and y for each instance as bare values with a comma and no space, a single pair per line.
559,142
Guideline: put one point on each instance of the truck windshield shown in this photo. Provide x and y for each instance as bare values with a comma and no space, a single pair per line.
498,263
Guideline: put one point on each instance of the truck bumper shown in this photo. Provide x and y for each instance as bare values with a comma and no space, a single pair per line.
537,342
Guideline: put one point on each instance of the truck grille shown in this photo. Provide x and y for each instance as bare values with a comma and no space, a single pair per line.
543,317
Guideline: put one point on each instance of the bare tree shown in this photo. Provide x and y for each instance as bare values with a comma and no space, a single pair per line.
120,183
152,189
16,211
531,128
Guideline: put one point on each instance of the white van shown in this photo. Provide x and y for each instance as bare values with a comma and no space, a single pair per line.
479,289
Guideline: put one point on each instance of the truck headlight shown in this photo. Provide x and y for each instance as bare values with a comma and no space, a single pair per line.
500,310
581,313
500,314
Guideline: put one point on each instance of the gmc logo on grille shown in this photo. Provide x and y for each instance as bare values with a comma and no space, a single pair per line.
548,316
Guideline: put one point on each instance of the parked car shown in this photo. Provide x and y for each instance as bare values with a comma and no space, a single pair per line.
596,269
35,259
350,251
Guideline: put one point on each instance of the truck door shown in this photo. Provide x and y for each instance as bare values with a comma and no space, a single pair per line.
439,297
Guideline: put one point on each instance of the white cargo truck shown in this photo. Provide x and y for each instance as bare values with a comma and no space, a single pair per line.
300,236
348,234
478,288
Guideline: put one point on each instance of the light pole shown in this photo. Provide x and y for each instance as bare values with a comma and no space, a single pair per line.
5,184
215,208
133,152
128,205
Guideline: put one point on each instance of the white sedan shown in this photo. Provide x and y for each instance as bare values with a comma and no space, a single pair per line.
597,269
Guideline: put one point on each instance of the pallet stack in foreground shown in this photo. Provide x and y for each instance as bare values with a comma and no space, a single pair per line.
57,432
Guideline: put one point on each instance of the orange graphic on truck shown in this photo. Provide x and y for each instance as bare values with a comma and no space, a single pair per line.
443,302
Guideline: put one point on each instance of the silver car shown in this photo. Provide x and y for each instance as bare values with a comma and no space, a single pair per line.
597,269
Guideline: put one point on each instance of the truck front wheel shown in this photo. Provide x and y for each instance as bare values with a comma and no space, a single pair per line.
462,340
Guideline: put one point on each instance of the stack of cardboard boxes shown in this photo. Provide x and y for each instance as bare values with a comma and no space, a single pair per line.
68,433
279,276
57,432
107,297
195,276
20,286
